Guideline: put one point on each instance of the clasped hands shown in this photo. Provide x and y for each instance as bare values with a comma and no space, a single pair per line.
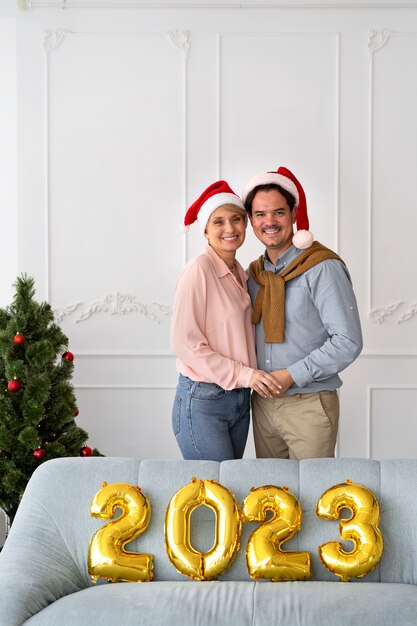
270,384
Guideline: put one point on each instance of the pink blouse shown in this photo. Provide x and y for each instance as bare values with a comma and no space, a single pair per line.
211,331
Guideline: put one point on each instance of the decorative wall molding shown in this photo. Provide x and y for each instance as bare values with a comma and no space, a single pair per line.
378,315
53,38
408,314
61,314
117,386
25,5
387,354
180,39
115,304
377,39
126,354
145,354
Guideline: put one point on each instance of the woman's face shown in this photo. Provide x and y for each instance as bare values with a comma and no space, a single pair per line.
226,229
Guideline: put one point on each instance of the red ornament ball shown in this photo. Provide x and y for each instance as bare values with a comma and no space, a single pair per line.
86,451
38,454
68,356
76,412
14,385
18,339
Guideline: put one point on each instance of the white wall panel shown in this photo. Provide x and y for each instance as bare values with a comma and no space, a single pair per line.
115,178
393,218
392,431
8,159
363,421
125,368
279,105
128,420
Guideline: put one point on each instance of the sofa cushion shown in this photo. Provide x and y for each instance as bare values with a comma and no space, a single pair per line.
235,603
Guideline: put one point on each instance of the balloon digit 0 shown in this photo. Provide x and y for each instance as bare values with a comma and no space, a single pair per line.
361,528
264,556
107,557
177,529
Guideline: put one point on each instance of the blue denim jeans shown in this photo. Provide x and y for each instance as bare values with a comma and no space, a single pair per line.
209,422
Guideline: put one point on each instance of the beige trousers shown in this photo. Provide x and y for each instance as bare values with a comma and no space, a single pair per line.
301,426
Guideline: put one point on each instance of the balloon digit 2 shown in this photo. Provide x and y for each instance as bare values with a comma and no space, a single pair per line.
264,556
107,557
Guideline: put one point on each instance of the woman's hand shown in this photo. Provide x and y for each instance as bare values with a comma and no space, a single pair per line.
265,384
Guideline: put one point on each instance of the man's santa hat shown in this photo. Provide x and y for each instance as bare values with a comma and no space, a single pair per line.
216,195
303,238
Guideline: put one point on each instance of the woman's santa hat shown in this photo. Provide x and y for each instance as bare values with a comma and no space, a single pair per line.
216,195
303,238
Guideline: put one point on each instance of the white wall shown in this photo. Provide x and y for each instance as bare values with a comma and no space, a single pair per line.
8,158
125,115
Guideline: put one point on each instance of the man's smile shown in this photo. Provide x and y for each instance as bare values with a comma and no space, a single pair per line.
271,230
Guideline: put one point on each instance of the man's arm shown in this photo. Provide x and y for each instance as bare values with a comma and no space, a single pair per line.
332,295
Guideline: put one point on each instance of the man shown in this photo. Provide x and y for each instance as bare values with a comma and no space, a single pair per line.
307,322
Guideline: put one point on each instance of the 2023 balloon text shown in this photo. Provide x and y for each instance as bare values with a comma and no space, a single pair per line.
276,507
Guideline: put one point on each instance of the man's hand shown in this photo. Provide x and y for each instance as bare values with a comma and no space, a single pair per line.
285,380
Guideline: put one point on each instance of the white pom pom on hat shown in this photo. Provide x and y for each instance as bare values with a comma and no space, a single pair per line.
303,238
215,196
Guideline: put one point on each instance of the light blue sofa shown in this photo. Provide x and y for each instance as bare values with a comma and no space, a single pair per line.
43,567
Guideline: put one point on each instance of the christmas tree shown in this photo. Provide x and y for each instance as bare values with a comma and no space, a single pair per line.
37,401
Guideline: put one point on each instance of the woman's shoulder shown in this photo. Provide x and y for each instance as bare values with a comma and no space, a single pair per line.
198,265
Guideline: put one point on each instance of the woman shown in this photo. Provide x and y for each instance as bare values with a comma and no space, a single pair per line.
212,336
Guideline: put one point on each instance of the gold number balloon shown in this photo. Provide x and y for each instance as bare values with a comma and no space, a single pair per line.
107,557
188,561
264,556
361,528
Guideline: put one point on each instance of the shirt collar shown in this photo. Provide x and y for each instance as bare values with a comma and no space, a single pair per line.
282,261
219,265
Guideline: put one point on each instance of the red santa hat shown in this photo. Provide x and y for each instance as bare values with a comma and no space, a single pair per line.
303,238
216,195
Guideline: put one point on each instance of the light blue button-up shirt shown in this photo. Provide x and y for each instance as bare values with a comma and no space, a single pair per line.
322,326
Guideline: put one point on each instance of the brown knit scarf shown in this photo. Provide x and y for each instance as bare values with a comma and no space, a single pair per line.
270,299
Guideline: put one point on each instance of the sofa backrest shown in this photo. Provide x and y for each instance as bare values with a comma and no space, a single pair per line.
53,527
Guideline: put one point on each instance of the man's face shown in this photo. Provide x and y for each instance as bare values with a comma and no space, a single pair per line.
272,222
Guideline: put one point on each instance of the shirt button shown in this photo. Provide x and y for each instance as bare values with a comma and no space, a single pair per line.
268,361
351,308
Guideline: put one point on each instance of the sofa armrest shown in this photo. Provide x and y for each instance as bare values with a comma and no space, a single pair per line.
36,566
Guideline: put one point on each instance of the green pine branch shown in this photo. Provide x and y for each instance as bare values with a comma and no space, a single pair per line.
37,399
